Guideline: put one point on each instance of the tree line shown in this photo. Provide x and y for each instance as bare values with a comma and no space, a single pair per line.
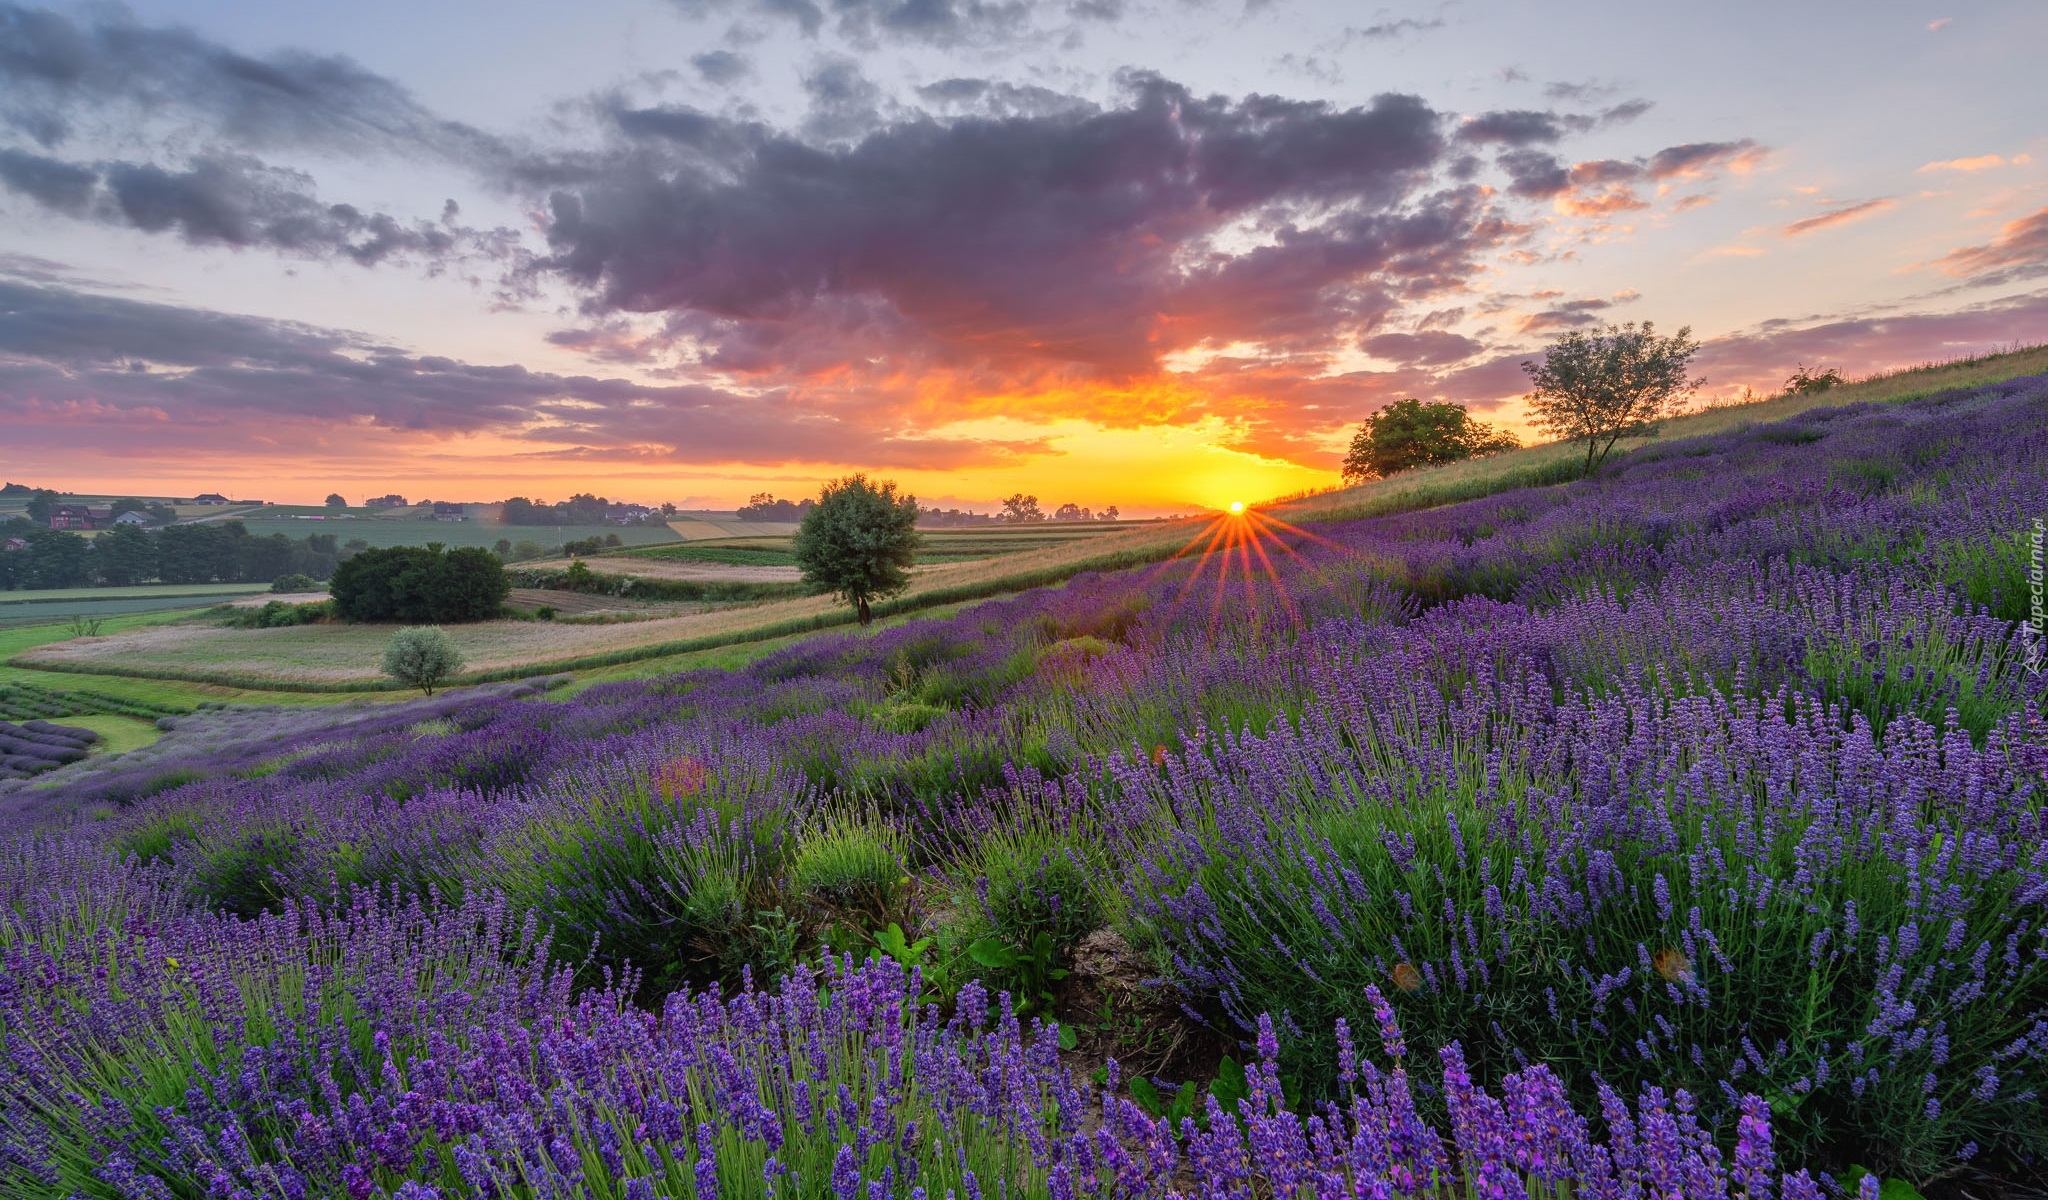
209,552
1593,386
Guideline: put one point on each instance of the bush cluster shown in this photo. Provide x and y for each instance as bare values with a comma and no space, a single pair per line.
424,585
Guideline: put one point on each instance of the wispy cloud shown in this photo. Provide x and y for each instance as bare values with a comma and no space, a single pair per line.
1939,24
2019,251
1982,162
1839,216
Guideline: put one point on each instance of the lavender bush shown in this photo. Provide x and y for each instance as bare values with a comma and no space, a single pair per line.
1713,782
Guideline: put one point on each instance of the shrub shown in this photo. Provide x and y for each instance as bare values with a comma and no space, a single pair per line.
421,657
849,869
294,582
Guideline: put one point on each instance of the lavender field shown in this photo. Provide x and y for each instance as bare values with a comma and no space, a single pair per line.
1675,832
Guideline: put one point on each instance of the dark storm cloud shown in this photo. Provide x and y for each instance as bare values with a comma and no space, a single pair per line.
131,368
226,200
60,78
1064,237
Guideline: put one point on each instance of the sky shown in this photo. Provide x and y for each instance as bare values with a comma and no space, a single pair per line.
1161,254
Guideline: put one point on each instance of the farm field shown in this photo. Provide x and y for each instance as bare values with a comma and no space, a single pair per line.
381,533
1720,772
37,607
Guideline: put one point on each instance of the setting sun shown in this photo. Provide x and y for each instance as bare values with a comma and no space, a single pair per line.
1237,507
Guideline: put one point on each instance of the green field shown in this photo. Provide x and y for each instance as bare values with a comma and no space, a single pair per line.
36,608
380,533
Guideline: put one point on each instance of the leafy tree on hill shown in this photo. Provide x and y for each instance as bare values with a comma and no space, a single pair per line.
1021,509
422,584
1408,434
336,500
41,504
421,658
859,541
1611,384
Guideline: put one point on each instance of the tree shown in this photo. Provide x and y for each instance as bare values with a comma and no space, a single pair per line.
336,500
1072,512
56,559
42,504
859,541
1408,434
1611,384
420,584
1108,514
421,656
1021,509
124,554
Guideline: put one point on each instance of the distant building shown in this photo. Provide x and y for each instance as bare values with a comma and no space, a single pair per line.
211,498
79,516
14,543
132,517
394,500
446,511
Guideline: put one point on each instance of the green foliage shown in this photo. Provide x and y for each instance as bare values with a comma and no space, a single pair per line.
1610,384
1408,434
292,581
1184,1103
1026,970
849,868
596,543
276,614
245,876
421,657
125,554
859,542
1808,383
421,584
81,627
1040,884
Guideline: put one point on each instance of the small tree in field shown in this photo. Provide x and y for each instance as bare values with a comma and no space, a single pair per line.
859,541
1611,384
421,656
1409,433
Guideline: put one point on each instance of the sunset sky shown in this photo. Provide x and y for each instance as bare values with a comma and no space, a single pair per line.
1153,253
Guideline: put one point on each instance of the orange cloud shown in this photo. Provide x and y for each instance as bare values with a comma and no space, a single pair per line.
1982,162
2020,247
1837,216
